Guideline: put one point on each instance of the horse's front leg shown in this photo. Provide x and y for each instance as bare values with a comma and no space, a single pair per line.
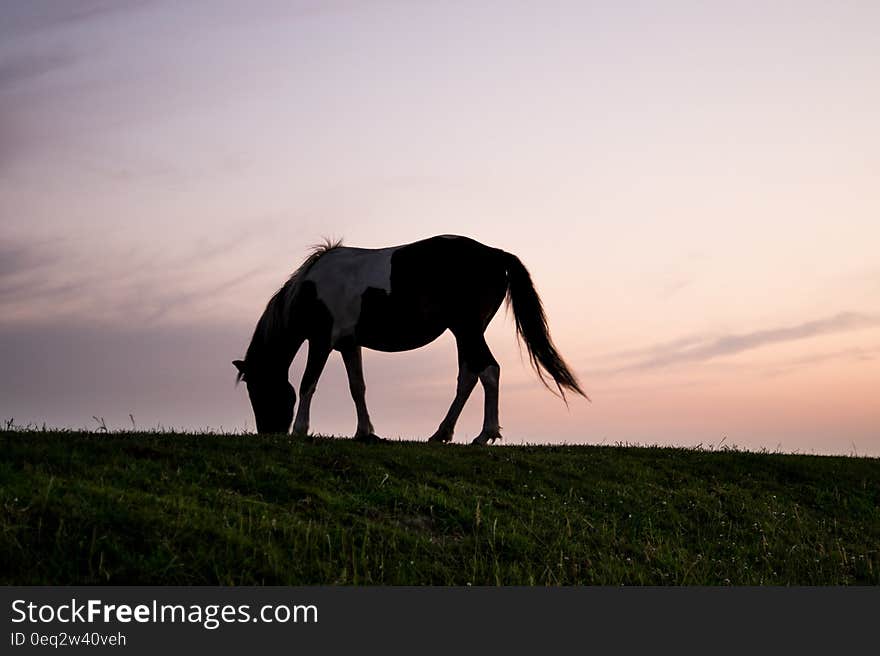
318,354
354,367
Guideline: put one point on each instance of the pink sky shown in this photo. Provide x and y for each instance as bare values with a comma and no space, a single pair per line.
694,187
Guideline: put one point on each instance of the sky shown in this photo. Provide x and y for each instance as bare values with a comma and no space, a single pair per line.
694,186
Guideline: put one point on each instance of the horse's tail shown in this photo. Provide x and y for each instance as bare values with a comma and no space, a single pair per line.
531,328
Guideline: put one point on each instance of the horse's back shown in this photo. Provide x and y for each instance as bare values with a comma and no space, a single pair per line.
403,297
444,282
447,265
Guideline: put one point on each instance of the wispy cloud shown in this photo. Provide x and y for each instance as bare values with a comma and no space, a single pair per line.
859,354
700,349
673,287
24,18
199,294
21,68
645,352
47,279
19,128
14,257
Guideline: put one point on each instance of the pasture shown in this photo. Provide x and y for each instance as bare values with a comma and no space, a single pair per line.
184,509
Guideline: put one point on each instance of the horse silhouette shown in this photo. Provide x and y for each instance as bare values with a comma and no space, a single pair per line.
395,299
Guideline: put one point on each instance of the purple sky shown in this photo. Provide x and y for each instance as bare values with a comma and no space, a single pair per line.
692,184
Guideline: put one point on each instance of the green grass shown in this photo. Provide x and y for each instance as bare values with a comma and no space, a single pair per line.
153,508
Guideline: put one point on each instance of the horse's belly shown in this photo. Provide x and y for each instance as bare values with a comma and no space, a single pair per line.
391,342
387,324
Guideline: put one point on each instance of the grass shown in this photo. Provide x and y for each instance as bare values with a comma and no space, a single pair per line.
181,509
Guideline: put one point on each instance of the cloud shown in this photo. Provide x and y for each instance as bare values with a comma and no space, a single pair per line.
700,349
23,270
14,257
24,18
64,278
859,354
42,38
22,68
38,271
22,122
184,298
674,285
648,351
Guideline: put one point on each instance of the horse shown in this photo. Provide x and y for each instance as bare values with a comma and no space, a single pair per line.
394,299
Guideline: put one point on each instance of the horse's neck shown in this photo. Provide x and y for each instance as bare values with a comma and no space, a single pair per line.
275,350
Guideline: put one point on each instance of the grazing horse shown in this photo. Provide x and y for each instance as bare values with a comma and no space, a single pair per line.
394,299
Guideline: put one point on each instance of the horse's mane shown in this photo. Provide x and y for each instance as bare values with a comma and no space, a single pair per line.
277,312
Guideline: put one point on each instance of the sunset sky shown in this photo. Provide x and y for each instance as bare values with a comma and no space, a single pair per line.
694,186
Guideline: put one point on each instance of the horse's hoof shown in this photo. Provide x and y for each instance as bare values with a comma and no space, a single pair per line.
369,438
486,437
441,436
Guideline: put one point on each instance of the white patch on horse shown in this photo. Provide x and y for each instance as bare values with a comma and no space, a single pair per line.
342,276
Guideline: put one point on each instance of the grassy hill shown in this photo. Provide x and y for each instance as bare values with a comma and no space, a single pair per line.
150,508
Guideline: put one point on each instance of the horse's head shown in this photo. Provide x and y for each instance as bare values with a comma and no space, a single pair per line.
272,397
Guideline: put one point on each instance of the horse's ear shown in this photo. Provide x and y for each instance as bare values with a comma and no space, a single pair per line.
240,365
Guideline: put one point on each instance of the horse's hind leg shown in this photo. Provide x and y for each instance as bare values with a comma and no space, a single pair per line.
490,377
354,367
475,362
466,382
